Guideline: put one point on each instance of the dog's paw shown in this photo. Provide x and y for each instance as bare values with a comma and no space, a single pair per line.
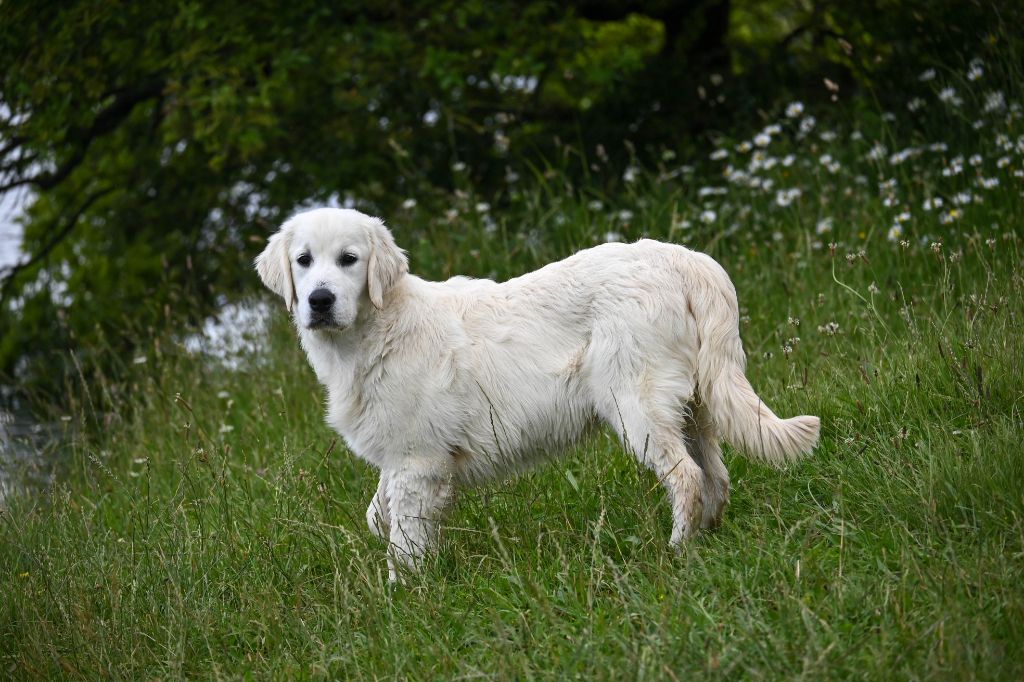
688,519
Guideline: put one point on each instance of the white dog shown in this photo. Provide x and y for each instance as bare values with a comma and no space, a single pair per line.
439,384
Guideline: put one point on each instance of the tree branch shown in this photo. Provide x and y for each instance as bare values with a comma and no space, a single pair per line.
82,137
7,279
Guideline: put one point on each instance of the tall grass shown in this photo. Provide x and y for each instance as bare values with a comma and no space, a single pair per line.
209,524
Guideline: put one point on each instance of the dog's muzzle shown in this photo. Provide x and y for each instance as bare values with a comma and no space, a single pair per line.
321,305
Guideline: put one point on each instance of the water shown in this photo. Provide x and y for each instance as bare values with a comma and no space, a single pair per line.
29,451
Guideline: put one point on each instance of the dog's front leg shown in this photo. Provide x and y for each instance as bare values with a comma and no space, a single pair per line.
417,501
378,514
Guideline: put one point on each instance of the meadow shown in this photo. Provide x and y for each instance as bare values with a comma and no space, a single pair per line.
206,523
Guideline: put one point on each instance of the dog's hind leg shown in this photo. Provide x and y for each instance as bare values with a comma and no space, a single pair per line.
417,500
702,440
652,434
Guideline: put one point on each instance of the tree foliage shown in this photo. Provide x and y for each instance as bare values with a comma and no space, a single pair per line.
161,141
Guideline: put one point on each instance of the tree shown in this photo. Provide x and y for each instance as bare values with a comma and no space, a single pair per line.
164,140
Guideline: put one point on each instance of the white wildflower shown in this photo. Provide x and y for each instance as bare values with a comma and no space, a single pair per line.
785,197
949,96
409,204
988,183
719,154
975,70
975,160
762,139
807,124
955,167
895,232
625,215
947,217
994,101
612,237
483,207
795,109
501,142
926,75
756,161
708,216
915,104
1003,162
824,226
901,156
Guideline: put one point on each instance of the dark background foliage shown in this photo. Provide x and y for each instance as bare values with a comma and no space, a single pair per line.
158,143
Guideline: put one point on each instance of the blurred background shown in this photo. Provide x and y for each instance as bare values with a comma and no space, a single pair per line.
147,149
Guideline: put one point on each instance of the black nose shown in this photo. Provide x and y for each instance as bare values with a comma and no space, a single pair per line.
321,301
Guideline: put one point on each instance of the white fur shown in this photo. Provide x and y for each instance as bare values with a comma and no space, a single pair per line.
440,384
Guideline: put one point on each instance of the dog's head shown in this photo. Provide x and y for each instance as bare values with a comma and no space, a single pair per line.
326,262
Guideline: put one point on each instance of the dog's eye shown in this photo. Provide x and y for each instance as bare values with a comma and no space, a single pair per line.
304,260
348,258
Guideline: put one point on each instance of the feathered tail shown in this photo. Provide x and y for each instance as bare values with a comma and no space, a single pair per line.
741,416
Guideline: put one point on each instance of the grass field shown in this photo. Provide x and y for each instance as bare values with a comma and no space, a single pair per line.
208,524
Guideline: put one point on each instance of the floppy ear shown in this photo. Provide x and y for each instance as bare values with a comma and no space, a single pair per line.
275,267
387,263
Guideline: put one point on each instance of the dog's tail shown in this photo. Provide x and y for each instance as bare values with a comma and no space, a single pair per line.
740,415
